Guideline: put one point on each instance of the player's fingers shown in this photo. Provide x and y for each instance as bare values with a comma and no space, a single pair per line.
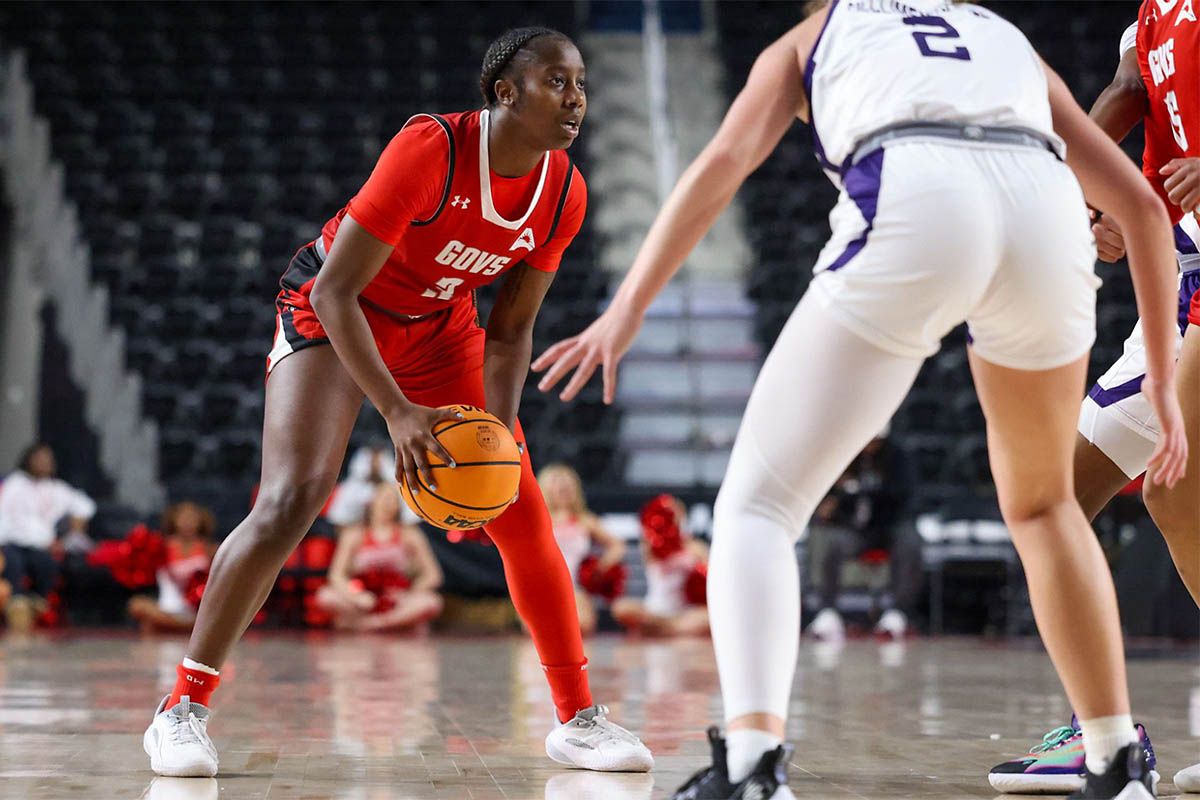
410,473
421,460
610,380
582,374
448,414
552,353
566,361
1170,167
434,446
1191,200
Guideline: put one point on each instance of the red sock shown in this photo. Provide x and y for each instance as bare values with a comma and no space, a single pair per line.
197,684
569,689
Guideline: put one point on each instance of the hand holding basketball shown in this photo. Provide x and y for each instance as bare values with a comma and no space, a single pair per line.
412,434
486,471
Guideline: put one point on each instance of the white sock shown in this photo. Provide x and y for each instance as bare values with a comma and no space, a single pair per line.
1103,737
745,747
196,665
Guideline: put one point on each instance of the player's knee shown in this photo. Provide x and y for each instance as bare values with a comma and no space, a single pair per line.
285,510
1172,516
1034,506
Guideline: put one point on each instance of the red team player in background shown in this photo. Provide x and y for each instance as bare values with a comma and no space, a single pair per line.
1158,84
454,202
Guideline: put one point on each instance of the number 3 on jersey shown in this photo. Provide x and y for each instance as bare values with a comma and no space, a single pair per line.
444,289
941,30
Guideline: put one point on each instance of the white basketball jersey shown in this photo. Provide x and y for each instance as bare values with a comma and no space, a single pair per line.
879,63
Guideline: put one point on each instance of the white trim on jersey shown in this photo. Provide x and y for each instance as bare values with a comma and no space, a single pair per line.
1128,40
485,180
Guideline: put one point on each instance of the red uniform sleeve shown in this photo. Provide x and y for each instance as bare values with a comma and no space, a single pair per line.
547,257
407,183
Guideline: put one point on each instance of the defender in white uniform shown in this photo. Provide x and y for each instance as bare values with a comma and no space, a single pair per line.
945,133
1115,416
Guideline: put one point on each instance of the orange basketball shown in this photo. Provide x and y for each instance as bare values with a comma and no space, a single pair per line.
482,485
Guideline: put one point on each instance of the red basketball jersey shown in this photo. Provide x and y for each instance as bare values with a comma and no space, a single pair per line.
1168,49
455,224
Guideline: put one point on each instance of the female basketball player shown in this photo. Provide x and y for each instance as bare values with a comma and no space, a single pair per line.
1118,431
454,202
944,130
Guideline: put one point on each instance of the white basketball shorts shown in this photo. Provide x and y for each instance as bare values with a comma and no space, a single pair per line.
927,234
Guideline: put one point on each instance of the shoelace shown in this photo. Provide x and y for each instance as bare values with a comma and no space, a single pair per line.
187,731
1053,739
601,726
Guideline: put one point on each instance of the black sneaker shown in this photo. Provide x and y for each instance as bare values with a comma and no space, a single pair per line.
1128,778
713,783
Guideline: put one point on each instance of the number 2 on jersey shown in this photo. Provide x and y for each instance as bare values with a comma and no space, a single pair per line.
444,289
942,30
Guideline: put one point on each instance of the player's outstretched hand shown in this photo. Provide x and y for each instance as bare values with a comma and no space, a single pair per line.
411,430
601,344
1169,461
1110,242
1183,182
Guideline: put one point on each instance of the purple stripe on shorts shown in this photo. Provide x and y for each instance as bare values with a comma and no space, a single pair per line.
862,184
1106,397
1187,287
1184,243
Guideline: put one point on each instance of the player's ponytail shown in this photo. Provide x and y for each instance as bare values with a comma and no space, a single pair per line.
501,53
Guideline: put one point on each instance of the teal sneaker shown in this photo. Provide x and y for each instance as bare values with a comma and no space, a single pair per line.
1055,765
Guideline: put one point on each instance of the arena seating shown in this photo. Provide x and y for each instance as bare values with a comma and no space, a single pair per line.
204,143
788,199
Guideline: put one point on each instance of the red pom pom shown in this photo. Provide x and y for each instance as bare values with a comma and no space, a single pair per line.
660,526
607,583
135,560
195,588
695,589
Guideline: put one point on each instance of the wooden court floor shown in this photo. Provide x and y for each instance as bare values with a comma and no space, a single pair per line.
314,716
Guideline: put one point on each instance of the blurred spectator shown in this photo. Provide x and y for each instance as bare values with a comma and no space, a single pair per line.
187,529
578,531
676,568
369,467
867,511
5,587
384,575
32,503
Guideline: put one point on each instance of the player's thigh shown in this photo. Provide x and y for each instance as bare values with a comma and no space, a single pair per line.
1098,477
822,394
1031,417
1188,381
310,410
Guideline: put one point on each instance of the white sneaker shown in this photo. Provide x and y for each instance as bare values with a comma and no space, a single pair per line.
1188,780
893,623
591,741
177,741
828,626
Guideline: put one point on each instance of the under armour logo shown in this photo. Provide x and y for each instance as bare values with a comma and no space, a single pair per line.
525,240
460,202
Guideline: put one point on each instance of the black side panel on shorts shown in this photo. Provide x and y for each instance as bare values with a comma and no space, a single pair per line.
303,267
562,199
449,173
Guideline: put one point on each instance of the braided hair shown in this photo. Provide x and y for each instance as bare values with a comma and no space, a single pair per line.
500,55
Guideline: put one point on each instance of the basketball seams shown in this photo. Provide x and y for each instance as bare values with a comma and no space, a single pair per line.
432,493
461,464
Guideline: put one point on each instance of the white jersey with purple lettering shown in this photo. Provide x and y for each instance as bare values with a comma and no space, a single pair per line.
879,63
